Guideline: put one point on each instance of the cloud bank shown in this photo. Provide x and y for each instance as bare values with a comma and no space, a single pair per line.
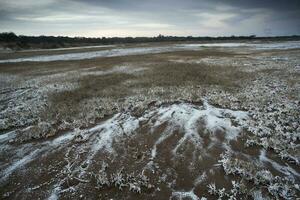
98,18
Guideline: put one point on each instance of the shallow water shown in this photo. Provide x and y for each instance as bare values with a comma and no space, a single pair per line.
151,50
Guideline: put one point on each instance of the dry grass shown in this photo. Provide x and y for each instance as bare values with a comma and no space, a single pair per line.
159,73
93,90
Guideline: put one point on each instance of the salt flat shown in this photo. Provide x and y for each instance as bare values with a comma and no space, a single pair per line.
160,121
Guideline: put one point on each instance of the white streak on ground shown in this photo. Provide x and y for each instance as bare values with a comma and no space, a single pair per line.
158,141
6,136
54,194
116,69
41,149
68,48
287,170
184,195
8,171
119,125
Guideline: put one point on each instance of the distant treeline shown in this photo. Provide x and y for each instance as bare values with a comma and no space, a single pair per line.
11,40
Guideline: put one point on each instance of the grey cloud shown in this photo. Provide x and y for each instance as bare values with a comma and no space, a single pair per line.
195,4
150,17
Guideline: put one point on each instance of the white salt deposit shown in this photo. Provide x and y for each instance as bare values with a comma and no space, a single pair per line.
188,118
262,46
6,136
54,194
287,170
185,195
119,125
35,152
215,45
183,116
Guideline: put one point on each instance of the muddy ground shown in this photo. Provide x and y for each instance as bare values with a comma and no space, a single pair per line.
160,121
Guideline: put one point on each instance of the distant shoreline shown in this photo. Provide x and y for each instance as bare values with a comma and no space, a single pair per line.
10,41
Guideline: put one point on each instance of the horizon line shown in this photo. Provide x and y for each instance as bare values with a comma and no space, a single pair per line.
157,36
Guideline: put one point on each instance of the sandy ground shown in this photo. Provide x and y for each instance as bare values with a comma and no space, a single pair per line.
159,121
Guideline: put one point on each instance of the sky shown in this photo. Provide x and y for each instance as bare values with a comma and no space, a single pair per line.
122,18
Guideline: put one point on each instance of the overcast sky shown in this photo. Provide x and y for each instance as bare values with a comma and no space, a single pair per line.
97,18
